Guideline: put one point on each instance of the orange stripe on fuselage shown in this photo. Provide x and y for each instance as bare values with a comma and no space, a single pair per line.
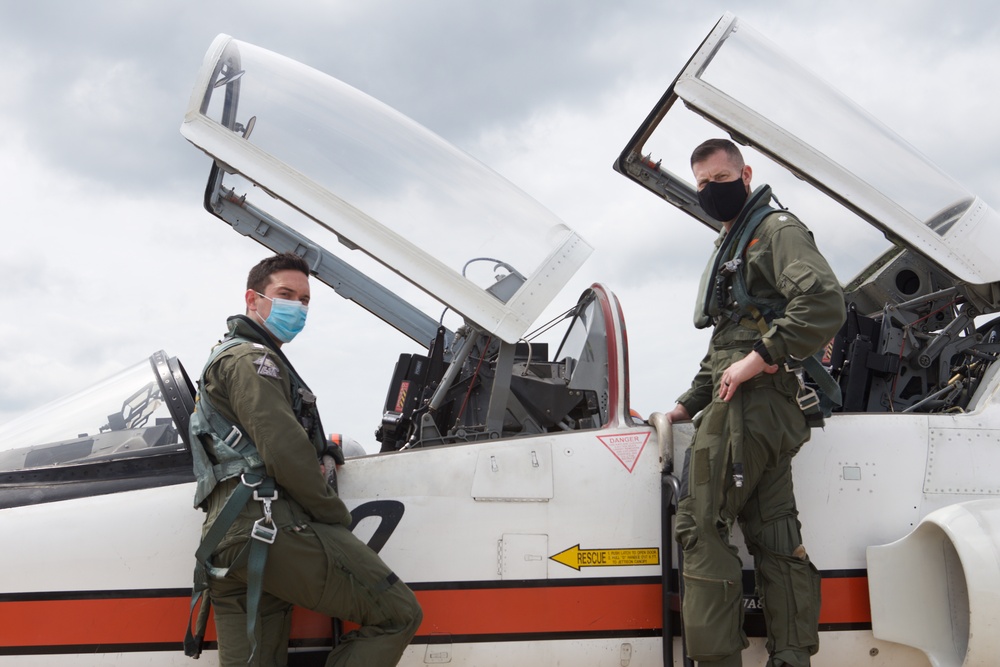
115,621
461,610
541,610
101,621
845,601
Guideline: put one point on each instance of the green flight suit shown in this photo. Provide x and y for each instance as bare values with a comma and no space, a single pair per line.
764,426
315,562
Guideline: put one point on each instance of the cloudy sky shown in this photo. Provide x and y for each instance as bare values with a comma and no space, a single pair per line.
109,255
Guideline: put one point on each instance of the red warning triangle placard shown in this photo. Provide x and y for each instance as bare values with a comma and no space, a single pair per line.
626,447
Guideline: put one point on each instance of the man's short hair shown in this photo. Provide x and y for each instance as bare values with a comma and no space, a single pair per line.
708,148
260,275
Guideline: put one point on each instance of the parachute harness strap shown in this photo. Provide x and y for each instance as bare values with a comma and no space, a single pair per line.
257,486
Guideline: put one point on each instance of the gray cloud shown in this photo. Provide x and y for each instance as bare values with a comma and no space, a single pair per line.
114,258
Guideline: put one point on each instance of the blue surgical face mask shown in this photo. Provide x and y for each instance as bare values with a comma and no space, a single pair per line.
287,318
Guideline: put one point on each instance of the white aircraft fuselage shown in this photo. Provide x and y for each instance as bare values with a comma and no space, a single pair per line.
516,492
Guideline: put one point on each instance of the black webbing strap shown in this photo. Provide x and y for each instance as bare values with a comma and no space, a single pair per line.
261,537
253,485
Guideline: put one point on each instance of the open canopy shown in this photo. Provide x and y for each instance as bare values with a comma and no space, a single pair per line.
381,183
740,81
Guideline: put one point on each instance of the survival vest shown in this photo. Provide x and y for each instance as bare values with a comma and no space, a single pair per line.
725,294
219,449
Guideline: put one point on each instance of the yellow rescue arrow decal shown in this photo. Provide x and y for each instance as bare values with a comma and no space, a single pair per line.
575,557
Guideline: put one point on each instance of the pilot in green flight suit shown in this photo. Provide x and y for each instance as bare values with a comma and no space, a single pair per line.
748,422
315,561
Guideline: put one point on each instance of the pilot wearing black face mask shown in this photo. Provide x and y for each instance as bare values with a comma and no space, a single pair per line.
723,200
772,300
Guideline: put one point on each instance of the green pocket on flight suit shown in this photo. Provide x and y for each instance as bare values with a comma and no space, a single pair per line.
797,278
702,467
806,583
716,417
713,617
802,588
360,587
714,424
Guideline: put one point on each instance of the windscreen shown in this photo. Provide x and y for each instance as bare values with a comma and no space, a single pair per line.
120,416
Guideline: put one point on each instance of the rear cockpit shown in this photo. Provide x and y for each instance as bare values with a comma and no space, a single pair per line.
498,390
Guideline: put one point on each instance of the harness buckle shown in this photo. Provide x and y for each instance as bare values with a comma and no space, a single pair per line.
807,398
243,480
262,532
233,437
265,499
259,531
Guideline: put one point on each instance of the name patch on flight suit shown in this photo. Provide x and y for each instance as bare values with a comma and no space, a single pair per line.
267,368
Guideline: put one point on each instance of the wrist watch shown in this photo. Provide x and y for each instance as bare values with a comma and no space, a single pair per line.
761,349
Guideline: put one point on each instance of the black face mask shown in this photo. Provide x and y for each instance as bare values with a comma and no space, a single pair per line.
723,201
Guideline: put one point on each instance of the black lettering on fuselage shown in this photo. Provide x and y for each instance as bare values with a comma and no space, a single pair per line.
389,511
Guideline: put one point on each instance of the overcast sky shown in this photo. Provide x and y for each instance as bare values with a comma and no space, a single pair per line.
109,255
